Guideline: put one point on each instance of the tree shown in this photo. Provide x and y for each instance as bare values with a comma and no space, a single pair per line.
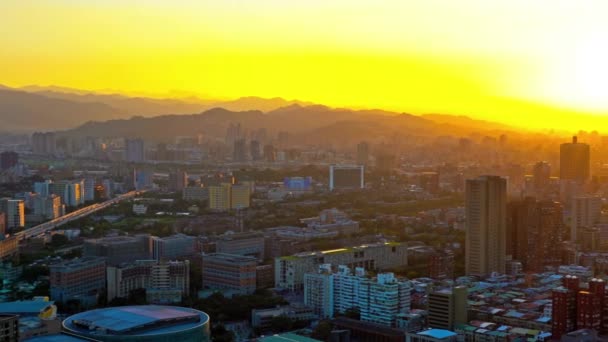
322,331
58,240
281,323
219,333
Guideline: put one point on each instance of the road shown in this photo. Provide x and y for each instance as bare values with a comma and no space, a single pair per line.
75,215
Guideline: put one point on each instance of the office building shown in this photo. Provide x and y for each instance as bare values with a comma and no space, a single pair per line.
297,184
290,270
240,150
363,151
346,177
574,161
8,160
172,247
81,279
165,281
262,318
255,150
119,249
43,188
150,323
229,272
585,213
9,247
195,194
135,151
226,196
178,180
14,212
534,233
245,244
485,206
447,307
240,196
44,143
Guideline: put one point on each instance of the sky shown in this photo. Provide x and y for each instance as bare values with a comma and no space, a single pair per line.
516,61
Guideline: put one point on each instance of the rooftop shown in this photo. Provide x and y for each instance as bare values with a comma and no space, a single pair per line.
287,337
437,333
135,320
31,307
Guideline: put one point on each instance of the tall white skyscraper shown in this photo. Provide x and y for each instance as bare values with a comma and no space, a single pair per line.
486,203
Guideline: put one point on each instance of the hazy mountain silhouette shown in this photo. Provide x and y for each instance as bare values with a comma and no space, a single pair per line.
22,111
306,124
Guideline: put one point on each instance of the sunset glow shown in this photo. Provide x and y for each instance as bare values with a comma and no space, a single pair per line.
499,60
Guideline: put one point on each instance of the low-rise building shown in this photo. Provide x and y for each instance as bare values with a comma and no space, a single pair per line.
82,279
232,272
165,282
290,270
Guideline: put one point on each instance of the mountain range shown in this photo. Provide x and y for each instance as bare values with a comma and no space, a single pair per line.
80,113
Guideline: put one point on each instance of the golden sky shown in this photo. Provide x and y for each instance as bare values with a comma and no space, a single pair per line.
516,61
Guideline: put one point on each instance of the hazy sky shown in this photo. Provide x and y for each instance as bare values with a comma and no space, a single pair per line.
511,60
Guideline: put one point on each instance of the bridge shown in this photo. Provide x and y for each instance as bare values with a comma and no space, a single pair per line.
75,215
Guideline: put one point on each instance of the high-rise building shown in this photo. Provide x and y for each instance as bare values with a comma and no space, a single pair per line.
255,150
240,150
178,180
485,206
14,211
81,279
89,189
585,213
270,154
165,281
8,159
534,233
574,161
70,191
44,143
346,177
47,207
541,178
135,151
43,188
363,153
142,179
231,272
563,309
447,307
240,196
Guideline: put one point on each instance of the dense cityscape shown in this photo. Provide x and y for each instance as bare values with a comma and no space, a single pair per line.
303,171
262,243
